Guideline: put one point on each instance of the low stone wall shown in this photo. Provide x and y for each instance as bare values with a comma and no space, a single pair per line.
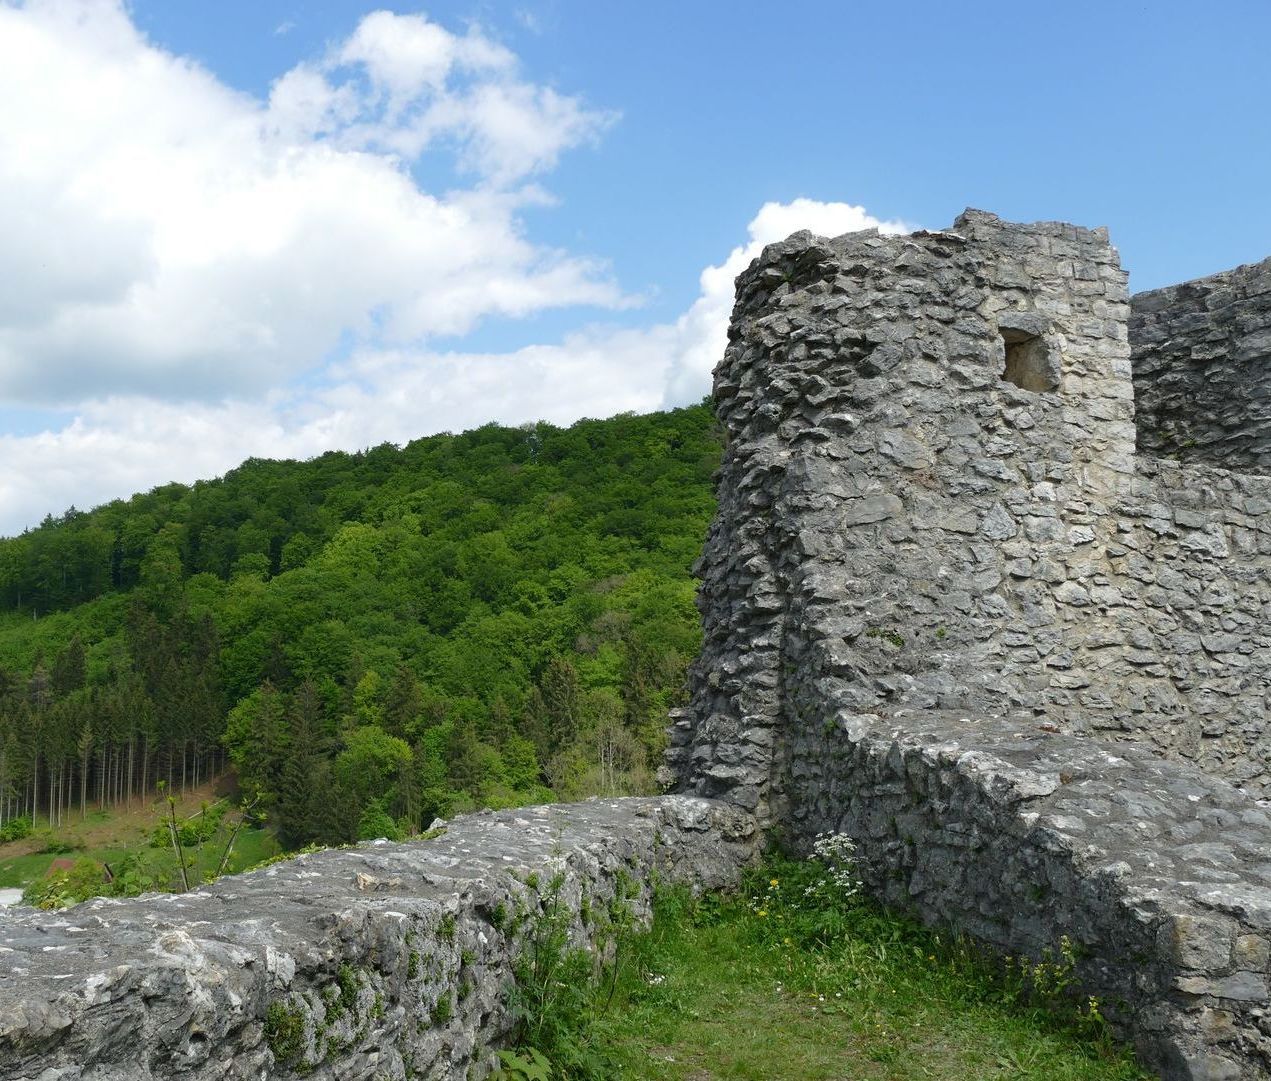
1158,874
1202,369
384,961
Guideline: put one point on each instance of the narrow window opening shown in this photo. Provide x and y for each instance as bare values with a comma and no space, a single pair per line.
1029,364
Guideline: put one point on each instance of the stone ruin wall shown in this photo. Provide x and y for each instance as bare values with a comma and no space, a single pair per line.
982,546
927,587
1202,369
388,962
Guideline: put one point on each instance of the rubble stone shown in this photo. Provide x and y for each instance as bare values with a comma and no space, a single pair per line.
1202,369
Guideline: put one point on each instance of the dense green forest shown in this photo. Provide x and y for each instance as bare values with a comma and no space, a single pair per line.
370,639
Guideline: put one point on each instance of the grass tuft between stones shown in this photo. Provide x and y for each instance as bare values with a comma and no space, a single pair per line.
285,1033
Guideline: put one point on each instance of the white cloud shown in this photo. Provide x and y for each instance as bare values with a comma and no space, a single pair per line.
125,444
121,445
519,129
404,84
165,234
405,55
180,260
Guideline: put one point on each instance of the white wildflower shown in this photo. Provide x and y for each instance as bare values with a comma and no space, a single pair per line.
837,852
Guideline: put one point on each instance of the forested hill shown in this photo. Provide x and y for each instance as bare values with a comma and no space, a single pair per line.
372,638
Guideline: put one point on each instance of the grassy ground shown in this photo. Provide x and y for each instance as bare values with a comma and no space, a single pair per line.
770,988
111,835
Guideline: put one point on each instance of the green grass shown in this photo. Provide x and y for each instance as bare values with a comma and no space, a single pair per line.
765,989
111,835
251,847
18,871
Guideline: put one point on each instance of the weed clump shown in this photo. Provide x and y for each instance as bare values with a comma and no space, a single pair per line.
562,991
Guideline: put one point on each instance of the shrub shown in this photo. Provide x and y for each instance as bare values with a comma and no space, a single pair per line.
16,829
66,887
561,991
376,822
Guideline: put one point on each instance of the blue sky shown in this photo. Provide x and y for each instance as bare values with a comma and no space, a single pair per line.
473,211
1152,118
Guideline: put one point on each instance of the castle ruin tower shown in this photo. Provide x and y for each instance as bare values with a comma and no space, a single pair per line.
930,501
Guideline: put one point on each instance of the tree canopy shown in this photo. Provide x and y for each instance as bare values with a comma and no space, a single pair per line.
371,639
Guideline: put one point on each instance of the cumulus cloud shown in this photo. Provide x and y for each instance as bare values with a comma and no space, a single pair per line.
194,276
407,54
165,234
404,85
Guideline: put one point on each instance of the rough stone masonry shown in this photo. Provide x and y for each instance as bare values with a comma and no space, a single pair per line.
1202,378
949,610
